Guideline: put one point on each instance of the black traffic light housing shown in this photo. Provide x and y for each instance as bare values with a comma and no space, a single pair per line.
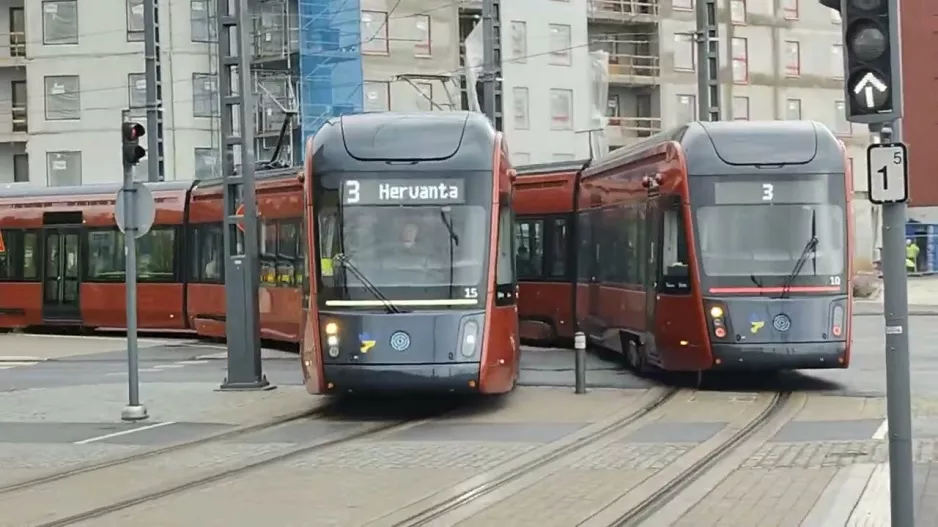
131,150
871,59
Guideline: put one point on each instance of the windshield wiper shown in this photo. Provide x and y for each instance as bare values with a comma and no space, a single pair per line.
809,249
346,264
453,243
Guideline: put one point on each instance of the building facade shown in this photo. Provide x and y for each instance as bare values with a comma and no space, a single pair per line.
71,71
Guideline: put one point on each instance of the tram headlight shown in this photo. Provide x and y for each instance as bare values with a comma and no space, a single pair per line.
332,341
718,321
837,324
332,328
470,336
716,312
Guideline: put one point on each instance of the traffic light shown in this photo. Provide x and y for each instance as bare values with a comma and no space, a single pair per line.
871,60
131,149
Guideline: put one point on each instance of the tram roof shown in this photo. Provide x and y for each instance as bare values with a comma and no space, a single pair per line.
355,142
737,147
15,190
552,167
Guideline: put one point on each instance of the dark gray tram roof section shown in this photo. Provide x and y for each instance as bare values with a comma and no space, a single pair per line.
407,141
745,148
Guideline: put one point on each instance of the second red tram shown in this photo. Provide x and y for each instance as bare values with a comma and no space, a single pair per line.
716,245
411,256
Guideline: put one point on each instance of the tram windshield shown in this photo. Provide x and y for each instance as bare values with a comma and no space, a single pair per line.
749,227
420,237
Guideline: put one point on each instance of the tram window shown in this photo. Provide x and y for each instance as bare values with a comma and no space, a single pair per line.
504,262
288,236
529,240
558,247
674,259
30,255
585,248
156,255
7,271
105,256
208,246
268,238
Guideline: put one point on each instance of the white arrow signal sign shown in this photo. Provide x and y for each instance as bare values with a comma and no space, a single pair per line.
868,85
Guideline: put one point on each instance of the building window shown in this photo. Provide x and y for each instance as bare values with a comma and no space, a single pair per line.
837,61
63,100
560,44
18,110
377,96
686,109
520,158
59,22
520,99
792,58
682,5
204,95
422,26
793,109
202,21
206,163
135,20
374,32
740,108
740,60
519,41
424,96
738,11
841,124
685,59
613,106
561,109
137,90
63,169
791,9
20,168
17,32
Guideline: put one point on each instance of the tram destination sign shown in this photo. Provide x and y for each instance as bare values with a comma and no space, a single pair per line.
403,191
775,191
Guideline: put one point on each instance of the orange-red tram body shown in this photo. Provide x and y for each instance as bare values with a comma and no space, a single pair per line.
718,246
63,260
411,256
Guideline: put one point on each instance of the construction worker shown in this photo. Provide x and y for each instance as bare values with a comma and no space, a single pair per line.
911,255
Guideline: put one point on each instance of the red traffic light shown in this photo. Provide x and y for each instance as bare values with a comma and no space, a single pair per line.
132,131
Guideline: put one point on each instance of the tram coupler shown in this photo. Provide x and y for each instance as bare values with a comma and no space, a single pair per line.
579,345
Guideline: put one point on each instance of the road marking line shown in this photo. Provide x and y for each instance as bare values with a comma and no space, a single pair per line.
881,432
123,433
193,362
168,366
13,364
115,373
840,497
20,358
872,508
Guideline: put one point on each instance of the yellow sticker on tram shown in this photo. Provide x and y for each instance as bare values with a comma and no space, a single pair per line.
325,265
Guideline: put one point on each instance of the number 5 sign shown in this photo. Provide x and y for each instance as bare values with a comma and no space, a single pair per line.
887,167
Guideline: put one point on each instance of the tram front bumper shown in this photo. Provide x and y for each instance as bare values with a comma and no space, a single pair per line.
452,378
789,356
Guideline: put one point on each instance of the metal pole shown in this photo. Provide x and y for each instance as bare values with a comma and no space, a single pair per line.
134,411
242,265
151,51
491,61
898,378
708,61
579,345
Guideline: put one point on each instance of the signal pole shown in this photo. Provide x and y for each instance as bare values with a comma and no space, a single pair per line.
873,95
151,51
708,61
242,266
492,61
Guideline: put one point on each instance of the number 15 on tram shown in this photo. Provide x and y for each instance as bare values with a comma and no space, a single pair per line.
412,259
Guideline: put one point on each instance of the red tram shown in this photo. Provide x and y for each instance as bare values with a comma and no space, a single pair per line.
411,256
63,258
716,245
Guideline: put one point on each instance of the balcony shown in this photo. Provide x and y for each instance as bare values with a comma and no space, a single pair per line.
623,11
13,51
13,124
622,131
633,70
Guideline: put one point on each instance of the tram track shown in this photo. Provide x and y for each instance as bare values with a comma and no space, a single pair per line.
632,508
101,489
471,492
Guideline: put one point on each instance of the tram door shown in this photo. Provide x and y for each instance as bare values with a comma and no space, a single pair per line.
61,274
652,256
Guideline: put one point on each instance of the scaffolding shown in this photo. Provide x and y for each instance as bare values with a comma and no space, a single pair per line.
274,47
